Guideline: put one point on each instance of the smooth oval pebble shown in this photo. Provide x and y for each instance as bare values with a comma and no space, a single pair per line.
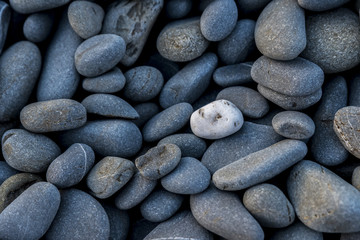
297,231
28,152
110,82
6,171
26,7
216,120
233,75
178,8
99,54
321,5
146,111
37,26
70,167
158,161
119,222
53,115
294,125
29,216
79,215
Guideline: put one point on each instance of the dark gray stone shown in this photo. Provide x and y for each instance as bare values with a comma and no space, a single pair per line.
233,75
350,236
166,67
297,231
6,171
355,178
109,82
37,26
26,7
206,98
119,222
321,5
146,111
354,91
141,229
178,8
5,15
252,6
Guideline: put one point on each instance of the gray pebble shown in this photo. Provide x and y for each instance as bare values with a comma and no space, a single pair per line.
109,106
26,7
218,19
158,161
292,124
355,178
119,222
160,205
99,54
232,75
321,5
332,40
124,136
146,111
20,66
182,41
297,231
190,82
354,91
209,211
5,16
167,122
70,168
143,83
280,30
6,171
178,8
269,206
37,26
85,18
28,152
252,6
29,216
110,82
53,115
259,166
80,217
350,236
322,200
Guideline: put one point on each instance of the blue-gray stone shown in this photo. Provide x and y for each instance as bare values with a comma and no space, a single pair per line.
233,75
119,222
297,231
5,15
26,7
110,82
146,111
6,171
321,5
37,26
178,8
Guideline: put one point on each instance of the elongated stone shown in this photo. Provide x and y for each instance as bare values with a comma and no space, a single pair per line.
26,7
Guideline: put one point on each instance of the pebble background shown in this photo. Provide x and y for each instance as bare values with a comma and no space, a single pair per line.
180,119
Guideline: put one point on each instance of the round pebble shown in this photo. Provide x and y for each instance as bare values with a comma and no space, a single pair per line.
110,82
25,7
233,75
178,8
37,26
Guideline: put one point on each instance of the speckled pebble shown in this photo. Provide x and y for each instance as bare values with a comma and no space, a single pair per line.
297,231
146,111
6,171
37,26
26,7
109,82
233,75
178,8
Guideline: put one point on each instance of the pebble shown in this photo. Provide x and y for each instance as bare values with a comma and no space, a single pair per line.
119,222
218,19
322,200
297,231
175,9
70,167
182,41
26,7
321,5
332,40
98,134
20,66
189,177
189,83
250,102
29,216
28,152
160,205
99,54
5,16
298,77
209,211
216,120
59,78
79,217
158,161
269,206
134,192
354,90
37,27
239,44
294,125
280,30
252,6
259,166
146,111
85,18
167,122
233,75
143,83
132,21
53,115
6,171
110,82
355,178
109,105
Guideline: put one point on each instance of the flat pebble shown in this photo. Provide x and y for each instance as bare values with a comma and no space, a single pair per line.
119,222
146,111
6,171
53,115
70,167
178,8
355,178
5,15
37,26
321,5
233,75
28,152
110,82
25,7
297,231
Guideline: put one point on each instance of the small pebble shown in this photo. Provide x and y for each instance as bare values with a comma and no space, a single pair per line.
26,7
5,16
178,8
37,26
6,171
297,231
110,82
321,5
233,75
355,179
146,111
119,222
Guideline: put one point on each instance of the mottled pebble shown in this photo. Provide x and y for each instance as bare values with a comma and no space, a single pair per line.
178,8
26,7
146,111
6,171
119,222
110,82
37,26
233,75
297,231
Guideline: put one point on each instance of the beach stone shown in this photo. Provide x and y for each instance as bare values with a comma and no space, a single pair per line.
298,77
178,8
5,16
251,6
109,105
134,192
70,167
110,82
29,216
297,231
158,161
269,206
79,217
28,152
132,21
6,171
119,222
207,208
160,205
143,83
280,30
233,75
218,19
216,120
355,179
294,125
37,26
26,7
98,134
146,111
85,18
99,54
189,83
53,115
320,5
59,78
259,166
322,200
109,175
333,40
20,66
167,122
354,90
